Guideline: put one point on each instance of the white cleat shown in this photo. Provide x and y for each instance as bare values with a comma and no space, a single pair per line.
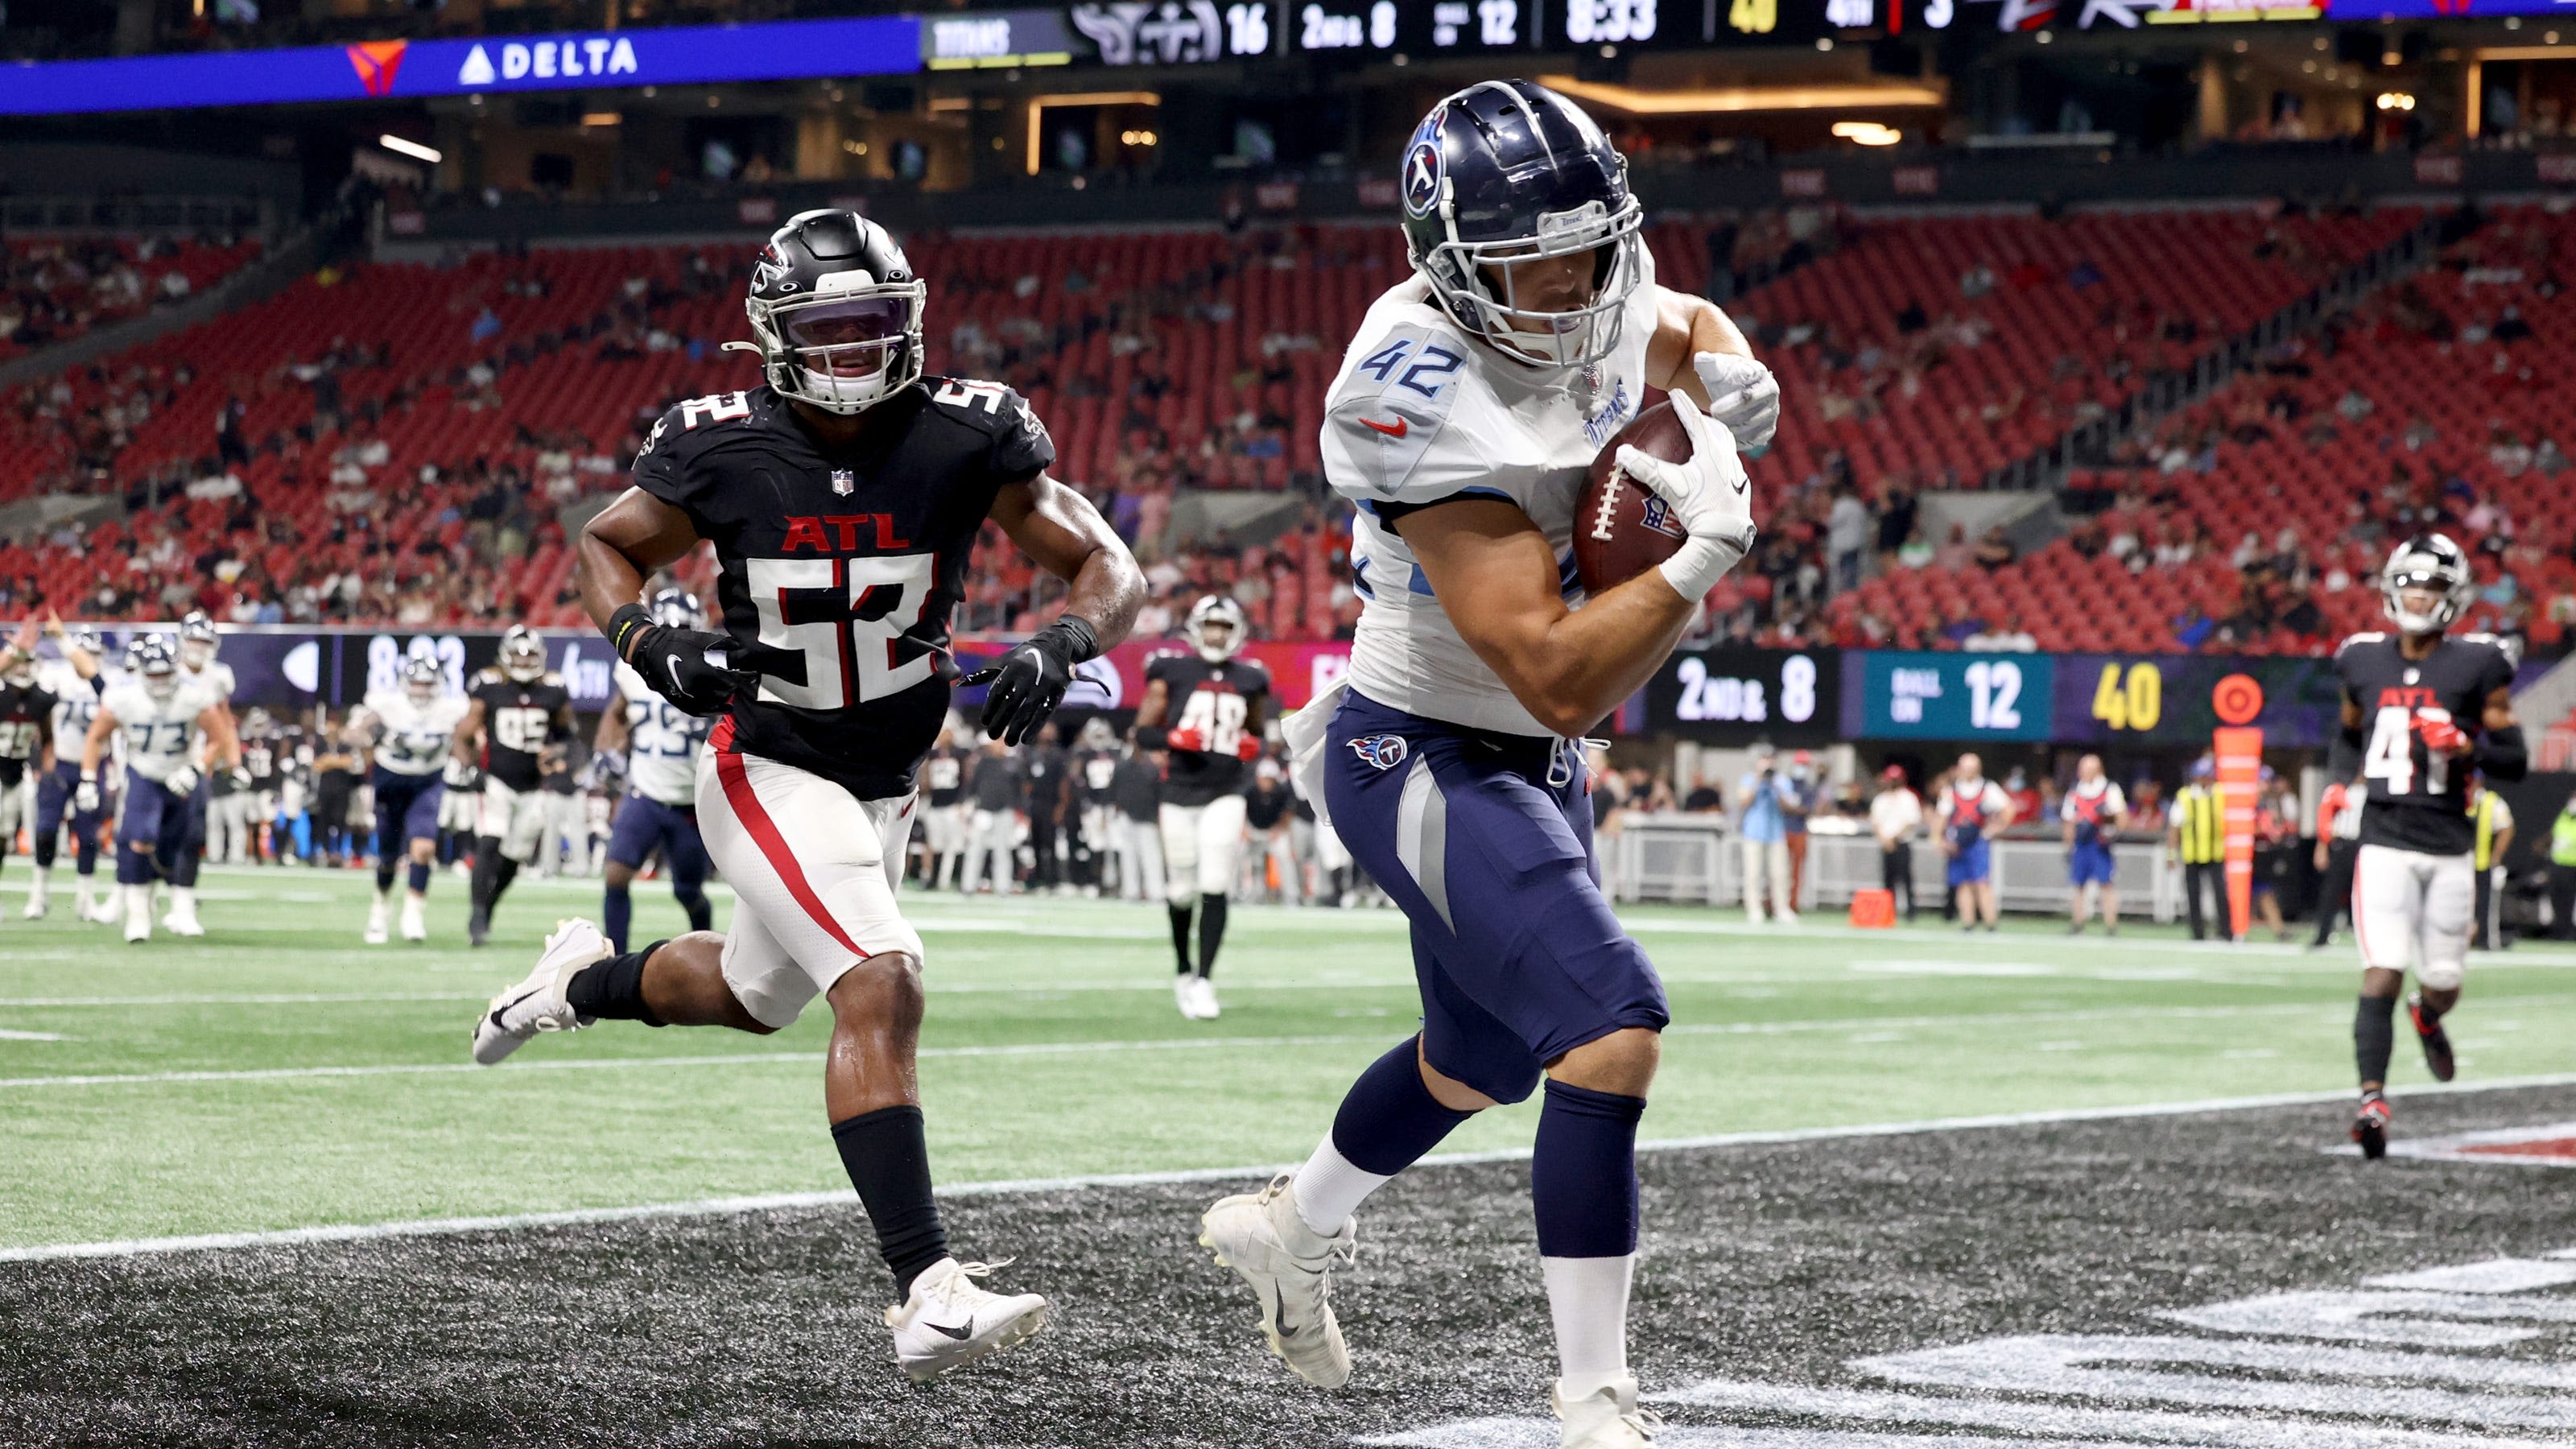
1289,1266
109,910
379,923
1203,1005
415,919
182,921
537,1003
1606,1416
138,925
36,904
1183,998
949,1320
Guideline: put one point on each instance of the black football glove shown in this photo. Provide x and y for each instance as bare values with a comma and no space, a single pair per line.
689,667
1030,681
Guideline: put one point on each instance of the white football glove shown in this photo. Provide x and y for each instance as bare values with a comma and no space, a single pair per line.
182,781
1742,394
241,777
457,774
85,799
1709,494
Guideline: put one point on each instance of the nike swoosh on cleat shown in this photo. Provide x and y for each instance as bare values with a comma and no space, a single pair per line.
961,1332
1394,429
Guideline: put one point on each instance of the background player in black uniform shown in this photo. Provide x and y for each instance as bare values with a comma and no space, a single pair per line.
1205,709
843,499
516,709
1086,820
1047,770
2424,711
943,819
26,734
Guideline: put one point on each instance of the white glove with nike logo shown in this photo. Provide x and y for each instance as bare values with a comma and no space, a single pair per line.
182,781
1742,394
1711,496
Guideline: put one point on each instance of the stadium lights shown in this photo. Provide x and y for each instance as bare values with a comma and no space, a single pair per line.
2396,101
413,149
1039,105
1743,98
601,118
1868,133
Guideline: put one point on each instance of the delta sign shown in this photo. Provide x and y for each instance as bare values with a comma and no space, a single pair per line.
412,69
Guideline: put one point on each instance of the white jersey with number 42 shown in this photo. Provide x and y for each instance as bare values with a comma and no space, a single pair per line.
1422,412
160,734
412,738
662,742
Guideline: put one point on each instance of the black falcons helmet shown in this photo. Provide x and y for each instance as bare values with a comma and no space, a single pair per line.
835,311
1508,171
2427,561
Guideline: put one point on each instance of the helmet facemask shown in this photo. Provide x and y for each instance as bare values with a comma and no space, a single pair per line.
523,657
846,348
1480,284
421,679
1217,628
2424,570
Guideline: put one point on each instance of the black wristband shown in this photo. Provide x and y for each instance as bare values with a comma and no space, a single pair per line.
623,625
1079,640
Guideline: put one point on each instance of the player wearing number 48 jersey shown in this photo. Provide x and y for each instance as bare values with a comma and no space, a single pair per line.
2424,710
1205,708
843,499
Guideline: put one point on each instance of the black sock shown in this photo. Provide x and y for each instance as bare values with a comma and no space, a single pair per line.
486,885
1211,932
889,1164
2425,1012
702,916
613,990
2372,1032
384,876
504,871
1181,937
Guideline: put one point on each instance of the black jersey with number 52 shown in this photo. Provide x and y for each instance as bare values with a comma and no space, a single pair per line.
1218,701
519,721
2419,798
839,566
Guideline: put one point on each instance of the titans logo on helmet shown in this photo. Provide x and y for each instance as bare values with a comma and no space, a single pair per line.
1384,751
1423,166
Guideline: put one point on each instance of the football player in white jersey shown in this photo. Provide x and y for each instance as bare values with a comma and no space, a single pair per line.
1463,421
160,828
225,830
411,729
660,811
76,680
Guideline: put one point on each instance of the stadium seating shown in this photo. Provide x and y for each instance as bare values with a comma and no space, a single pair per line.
56,289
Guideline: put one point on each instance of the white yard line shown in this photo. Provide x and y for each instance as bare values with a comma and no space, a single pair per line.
708,1207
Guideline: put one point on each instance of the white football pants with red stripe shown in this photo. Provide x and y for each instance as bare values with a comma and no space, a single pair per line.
2413,911
813,869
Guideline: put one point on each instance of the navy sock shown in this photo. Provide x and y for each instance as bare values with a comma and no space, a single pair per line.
1389,1119
1583,1173
889,1163
418,878
1211,932
2373,1032
384,876
613,990
617,912
702,916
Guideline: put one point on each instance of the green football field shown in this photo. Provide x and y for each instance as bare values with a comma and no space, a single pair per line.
277,1074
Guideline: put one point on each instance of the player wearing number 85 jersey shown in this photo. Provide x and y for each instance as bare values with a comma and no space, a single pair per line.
2423,710
843,499
1212,704
514,711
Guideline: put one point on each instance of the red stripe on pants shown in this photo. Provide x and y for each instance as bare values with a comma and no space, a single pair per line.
764,833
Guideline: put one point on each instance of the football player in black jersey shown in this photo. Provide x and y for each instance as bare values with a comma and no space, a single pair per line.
514,712
843,499
2423,710
1205,708
26,733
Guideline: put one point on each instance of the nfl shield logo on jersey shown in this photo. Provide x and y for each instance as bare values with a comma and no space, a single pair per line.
843,483
1384,751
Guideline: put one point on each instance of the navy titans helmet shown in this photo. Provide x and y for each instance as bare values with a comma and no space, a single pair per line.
1510,171
677,609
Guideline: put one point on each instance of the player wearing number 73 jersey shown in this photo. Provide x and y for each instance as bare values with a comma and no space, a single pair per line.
2425,711
843,500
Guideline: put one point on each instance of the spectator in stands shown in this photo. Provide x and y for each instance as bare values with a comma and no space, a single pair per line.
1847,537
1993,550
1957,553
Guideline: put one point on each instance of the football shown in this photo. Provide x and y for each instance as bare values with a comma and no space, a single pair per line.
1621,528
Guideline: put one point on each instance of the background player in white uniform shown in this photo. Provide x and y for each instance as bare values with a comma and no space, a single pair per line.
413,728
1214,704
228,809
2423,711
1463,422
160,827
660,812
75,680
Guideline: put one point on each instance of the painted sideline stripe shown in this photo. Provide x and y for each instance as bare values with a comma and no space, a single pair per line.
708,1207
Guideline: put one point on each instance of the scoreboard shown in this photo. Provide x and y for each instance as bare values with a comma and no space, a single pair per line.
1890,694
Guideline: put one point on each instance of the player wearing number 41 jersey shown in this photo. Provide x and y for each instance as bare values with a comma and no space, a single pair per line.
1205,708
843,499
2424,710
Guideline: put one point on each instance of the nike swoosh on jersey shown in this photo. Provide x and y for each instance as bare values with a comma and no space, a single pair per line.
1394,429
